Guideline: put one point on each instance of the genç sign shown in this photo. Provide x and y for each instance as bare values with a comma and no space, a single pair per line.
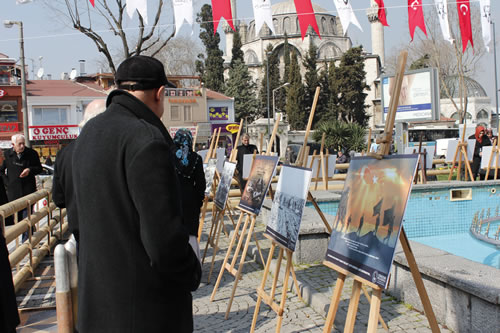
61,132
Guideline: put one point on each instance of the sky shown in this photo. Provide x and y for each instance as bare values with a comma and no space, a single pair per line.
55,46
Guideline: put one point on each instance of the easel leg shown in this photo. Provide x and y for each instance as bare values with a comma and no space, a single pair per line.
353,307
382,322
284,292
373,318
216,247
258,247
240,242
211,234
228,254
202,219
295,281
334,303
418,282
240,266
262,286
323,218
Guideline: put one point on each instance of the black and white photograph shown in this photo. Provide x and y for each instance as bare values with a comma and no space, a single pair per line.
288,205
224,185
258,183
209,175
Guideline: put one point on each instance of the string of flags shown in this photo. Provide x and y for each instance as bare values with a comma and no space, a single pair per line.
221,9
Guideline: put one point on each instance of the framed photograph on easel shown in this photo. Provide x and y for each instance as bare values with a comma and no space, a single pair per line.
289,200
224,185
369,217
258,183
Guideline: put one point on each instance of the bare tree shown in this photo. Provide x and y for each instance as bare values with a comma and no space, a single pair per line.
180,56
447,57
109,16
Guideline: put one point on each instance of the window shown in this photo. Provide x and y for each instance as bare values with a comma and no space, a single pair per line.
187,113
8,111
50,115
174,112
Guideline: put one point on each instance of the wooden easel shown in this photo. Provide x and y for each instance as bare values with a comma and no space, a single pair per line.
269,298
212,153
249,217
385,142
461,151
422,163
494,150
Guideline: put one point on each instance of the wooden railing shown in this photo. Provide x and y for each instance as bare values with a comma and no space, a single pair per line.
49,225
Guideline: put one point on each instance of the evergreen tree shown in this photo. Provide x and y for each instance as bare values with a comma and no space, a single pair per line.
274,80
240,86
347,85
297,116
324,96
311,79
237,53
211,68
281,94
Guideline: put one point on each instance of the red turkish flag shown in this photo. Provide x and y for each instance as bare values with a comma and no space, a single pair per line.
92,3
306,16
222,9
381,12
463,8
416,17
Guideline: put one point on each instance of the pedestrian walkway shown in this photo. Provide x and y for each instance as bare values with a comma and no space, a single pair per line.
315,281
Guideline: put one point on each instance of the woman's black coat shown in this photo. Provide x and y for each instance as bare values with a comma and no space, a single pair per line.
9,317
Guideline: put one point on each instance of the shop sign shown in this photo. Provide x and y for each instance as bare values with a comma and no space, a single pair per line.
182,100
172,130
218,113
62,132
233,128
9,127
2,93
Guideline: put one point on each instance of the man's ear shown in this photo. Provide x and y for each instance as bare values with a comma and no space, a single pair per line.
159,93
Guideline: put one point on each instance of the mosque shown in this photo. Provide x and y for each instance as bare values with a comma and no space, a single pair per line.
331,46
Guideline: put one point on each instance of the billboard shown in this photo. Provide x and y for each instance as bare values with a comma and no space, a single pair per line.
419,96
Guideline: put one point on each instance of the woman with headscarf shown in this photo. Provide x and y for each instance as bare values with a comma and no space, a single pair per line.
481,141
191,178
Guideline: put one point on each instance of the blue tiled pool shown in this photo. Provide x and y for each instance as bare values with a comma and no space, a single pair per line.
432,219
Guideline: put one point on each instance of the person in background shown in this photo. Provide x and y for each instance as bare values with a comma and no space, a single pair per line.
245,148
62,182
191,176
21,165
481,141
48,161
341,158
136,266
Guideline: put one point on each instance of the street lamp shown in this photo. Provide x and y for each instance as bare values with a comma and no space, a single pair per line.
10,24
267,75
274,101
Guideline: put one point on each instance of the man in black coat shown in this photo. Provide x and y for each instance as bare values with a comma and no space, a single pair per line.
136,267
245,148
62,182
22,164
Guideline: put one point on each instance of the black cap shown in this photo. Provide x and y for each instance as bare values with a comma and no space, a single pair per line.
147,72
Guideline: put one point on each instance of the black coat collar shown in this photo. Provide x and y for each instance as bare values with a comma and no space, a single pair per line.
139,109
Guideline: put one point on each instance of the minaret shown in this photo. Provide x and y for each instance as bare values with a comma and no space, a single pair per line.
377,32
229,32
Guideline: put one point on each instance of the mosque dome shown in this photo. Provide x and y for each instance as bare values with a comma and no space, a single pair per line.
452,82
288,7
285,20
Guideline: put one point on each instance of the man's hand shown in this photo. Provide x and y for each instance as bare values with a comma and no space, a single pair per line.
25,173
